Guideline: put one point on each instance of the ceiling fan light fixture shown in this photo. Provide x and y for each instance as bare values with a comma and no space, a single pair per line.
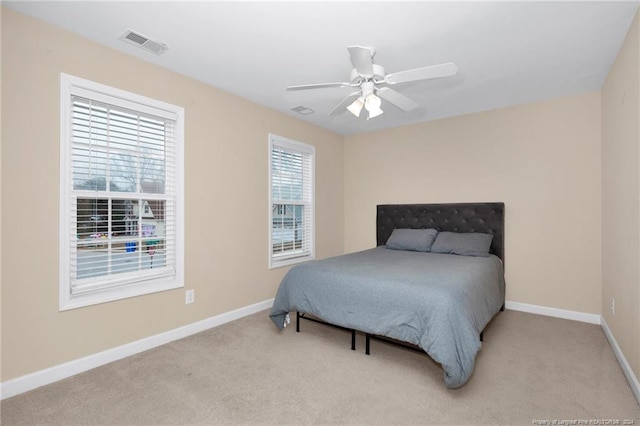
374,112
356,106
372,102
372,105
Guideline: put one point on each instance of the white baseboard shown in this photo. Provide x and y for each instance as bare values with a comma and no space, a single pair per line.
554,312
34,380
622,360
589,318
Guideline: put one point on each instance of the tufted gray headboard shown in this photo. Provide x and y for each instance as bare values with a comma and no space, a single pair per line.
487,218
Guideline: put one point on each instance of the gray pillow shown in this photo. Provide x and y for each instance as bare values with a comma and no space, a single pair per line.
412,239
462,243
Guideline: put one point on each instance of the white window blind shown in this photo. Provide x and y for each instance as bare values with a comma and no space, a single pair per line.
121,225
291,204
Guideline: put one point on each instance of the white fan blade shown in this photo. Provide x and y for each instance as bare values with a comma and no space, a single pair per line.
317,86
342,106
362,58
397,99
426,73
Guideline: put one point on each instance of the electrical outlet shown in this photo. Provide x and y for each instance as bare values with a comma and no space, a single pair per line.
189,296
613,305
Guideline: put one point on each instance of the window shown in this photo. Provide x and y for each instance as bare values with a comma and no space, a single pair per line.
121,195
291,202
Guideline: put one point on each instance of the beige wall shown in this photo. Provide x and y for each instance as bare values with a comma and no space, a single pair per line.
542,160
226,198
0,198
621,197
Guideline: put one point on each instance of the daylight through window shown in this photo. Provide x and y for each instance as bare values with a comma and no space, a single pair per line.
121,194
291,218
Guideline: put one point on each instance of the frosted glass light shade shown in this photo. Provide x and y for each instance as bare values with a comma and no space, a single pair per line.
373,113
372,104
356,106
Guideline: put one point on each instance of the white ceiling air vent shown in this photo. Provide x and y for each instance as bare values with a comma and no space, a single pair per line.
144,42
303,110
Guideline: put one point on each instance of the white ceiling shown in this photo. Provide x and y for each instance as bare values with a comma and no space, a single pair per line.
507,53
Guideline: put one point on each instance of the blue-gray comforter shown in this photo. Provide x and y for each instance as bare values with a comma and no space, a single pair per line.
440,302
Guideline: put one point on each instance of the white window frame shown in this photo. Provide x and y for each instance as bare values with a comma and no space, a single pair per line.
276,261
117,288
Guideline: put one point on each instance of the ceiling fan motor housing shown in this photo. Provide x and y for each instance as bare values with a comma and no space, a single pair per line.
378,74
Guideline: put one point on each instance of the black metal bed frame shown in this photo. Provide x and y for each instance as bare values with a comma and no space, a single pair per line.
457,217
301,315
368,336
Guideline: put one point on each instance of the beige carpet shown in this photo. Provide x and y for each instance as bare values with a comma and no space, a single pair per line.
530,369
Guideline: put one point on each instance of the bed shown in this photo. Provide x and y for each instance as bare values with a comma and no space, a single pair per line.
437,301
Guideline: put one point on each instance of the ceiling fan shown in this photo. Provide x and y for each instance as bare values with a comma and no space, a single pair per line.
372,83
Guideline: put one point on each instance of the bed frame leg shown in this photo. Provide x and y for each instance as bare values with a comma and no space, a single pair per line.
353,340
482,336
367,344
298,321
502,307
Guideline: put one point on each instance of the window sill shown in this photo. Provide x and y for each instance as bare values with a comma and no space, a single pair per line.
277,263
68,302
